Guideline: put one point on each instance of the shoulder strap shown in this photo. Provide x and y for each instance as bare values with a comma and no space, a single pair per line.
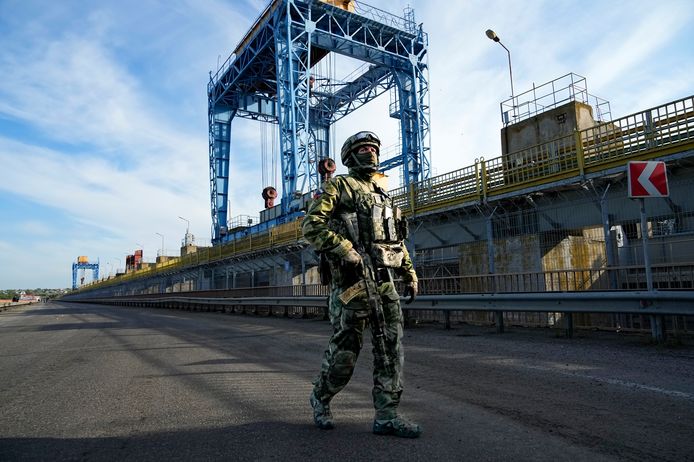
354,185
380,190
344,187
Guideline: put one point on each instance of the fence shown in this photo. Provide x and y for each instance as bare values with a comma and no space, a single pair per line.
582,241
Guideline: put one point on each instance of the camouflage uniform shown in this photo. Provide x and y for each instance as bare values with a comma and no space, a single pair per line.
357,194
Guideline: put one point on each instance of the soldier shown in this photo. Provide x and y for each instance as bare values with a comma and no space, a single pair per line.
353,225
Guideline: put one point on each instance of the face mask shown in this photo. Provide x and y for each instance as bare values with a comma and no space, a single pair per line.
366,160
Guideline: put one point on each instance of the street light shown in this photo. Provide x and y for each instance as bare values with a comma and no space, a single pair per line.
492,36
117,263
187,223
162,243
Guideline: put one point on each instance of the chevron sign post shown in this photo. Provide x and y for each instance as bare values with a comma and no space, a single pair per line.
647,179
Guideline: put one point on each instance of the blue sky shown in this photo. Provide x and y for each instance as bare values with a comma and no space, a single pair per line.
103,109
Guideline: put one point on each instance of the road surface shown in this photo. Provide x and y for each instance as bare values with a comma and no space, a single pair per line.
91,382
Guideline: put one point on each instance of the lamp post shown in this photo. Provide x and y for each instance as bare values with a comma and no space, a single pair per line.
492,36
187,223
117,263
162,243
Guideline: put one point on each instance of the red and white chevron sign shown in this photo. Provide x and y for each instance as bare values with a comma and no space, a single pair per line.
647,179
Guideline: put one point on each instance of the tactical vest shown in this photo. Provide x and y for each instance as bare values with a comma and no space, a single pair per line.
367,218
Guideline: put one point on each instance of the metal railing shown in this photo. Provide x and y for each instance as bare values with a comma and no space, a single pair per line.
399,22
561,307
645,135
278,236
623,278
649,303
405,23
569,87
517,298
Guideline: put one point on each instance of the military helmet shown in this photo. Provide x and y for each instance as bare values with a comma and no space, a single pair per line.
354,142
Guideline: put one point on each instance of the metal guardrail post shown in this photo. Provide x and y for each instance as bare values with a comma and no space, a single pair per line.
478,182
658,330
609,250
649,132
490,249
412,201
406,317
499,321
569,324
579,153
657,321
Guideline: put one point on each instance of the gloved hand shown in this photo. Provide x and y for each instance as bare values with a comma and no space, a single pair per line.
352,258
411,290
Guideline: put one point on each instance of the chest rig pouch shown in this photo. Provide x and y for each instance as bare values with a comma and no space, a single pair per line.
386,247
378,225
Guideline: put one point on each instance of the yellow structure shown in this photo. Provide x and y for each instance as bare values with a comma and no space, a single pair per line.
347,5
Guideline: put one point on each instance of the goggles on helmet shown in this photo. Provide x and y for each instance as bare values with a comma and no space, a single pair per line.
364,138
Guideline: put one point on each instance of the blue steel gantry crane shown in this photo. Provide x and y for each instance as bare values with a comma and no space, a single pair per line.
270,77
82,263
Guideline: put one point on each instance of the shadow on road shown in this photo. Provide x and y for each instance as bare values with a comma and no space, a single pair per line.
256,441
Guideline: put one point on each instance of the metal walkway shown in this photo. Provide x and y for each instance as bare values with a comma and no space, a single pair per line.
596,151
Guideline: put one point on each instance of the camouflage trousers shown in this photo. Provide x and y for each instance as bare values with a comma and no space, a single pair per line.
349,322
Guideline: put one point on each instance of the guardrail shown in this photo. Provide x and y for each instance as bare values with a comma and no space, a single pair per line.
654,303
11,304
677,303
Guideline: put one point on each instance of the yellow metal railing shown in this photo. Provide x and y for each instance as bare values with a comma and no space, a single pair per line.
286,233
649,134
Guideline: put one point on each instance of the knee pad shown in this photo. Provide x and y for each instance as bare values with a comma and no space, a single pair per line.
343,366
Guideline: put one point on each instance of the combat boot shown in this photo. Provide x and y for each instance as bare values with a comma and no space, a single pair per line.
397,427
322,416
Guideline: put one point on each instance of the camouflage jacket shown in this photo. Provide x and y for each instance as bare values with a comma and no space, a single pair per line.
377,225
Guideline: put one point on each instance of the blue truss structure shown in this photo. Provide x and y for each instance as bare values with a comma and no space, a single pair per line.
86,266
270,78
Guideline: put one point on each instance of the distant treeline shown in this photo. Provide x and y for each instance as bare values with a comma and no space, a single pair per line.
43,293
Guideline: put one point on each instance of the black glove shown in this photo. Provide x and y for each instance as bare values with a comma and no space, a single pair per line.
411,291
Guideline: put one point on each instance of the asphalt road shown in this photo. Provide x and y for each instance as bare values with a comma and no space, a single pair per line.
88,382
